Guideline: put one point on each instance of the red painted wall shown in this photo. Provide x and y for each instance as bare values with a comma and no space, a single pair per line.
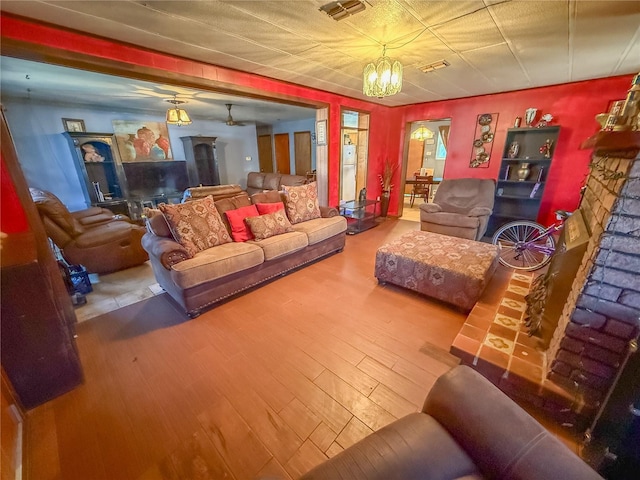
572,105
12,216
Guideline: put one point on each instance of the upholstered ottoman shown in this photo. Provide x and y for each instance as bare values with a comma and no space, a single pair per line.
454,270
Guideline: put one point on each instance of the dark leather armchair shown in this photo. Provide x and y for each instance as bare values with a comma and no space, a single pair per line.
467,429
95,237
461,208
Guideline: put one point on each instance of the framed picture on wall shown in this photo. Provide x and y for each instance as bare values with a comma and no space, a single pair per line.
321,132
73,125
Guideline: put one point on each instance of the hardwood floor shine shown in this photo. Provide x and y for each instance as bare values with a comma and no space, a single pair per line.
272,382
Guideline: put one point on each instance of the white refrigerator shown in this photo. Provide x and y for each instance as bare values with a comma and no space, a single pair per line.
349,167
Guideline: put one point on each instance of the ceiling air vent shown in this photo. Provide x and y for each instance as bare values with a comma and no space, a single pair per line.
434,66
341,10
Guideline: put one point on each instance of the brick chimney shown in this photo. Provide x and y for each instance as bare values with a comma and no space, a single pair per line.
600,322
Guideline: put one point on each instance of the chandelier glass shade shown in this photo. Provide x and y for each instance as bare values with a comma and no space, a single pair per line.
177,116
382,78
421,133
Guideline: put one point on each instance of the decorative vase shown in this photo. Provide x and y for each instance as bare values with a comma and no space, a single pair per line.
514,148
523,172
384,202
530,116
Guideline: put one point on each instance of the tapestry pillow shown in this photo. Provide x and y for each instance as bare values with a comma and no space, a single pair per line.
302,202
268,225
269,207
196,225
239,229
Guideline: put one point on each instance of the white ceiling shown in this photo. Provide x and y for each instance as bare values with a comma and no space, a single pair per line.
492,45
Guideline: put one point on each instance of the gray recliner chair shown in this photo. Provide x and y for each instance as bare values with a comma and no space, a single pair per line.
461,208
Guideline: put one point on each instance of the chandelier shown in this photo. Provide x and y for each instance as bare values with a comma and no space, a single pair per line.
383,77
421,133
177,116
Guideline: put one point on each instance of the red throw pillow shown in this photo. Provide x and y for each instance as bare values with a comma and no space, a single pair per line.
264,208
239,229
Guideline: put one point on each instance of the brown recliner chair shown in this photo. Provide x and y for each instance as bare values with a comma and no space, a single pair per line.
461,208
95,237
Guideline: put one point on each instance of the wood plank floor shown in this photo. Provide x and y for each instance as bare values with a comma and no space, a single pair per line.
272,382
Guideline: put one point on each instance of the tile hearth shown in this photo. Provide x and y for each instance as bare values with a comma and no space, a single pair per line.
494,340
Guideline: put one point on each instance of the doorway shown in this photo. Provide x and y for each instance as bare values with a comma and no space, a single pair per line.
354,154
425,154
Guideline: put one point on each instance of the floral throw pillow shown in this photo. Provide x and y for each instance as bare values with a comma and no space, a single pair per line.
196,225
268,225
302,202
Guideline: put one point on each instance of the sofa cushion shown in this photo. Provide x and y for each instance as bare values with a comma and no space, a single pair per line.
280,245
255,180
51,206
320,229
271,196
271,181
446,218
268,225
196,225
239,229
216,262
269,207
293,180
302,202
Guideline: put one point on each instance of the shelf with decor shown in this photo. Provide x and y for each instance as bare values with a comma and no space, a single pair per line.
526,160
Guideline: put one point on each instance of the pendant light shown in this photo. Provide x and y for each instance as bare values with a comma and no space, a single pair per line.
383,77
177,116
421,133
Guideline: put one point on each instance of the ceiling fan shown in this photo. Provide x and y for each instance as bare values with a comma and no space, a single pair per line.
230,121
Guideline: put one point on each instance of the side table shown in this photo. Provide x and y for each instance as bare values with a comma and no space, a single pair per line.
360,215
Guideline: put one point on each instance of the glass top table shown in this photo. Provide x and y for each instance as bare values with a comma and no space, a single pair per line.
360,215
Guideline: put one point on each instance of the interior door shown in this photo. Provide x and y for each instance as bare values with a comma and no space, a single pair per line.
265,153
283,159
302,149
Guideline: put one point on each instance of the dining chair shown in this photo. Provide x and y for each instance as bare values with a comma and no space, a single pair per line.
422,188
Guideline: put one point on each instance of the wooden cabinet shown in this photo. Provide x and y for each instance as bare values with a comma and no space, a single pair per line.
523,173
202,160
99,166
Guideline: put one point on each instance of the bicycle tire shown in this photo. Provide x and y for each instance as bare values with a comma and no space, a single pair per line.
507,238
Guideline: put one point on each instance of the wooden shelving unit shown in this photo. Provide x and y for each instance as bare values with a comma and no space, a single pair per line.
518,199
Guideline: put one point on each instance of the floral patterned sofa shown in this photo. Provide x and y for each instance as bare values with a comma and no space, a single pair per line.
204,251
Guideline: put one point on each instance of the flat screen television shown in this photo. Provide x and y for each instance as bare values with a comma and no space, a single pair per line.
149,179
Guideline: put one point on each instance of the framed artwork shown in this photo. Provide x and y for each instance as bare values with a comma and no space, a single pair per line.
430,141
73,125
321,132
142,141
483,140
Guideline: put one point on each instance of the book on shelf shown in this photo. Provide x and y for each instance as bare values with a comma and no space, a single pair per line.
540,174
534,190
506,172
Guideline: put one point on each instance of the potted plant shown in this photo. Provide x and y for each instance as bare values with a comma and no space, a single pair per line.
388,170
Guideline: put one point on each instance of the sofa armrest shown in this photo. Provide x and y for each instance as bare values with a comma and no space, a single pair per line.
166,250
430,208
503,440
328,212
88,212
479,212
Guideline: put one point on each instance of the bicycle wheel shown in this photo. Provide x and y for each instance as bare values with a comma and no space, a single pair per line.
519,242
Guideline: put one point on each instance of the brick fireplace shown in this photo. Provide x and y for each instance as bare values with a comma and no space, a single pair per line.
600,322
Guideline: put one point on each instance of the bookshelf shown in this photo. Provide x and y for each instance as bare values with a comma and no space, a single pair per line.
519,192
